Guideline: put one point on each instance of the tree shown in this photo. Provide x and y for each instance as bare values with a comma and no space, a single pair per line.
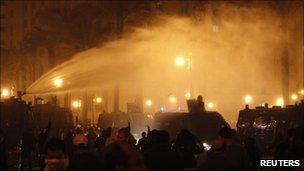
132,12
85,25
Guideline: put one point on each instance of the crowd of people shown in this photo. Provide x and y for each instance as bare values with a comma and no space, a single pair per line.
87,148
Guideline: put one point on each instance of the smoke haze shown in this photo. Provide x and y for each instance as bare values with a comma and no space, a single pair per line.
235,51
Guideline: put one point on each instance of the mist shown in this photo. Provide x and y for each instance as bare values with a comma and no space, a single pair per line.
235,52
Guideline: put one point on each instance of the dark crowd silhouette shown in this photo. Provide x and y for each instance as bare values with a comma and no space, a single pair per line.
87,148
90,148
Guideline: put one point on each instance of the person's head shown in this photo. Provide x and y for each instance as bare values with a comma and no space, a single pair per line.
226,133
185,132
122,156
144,134
164,136
122,134
80,142
199,98
159,137
56,158
125,135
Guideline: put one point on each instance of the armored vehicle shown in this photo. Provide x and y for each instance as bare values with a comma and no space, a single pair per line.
203,124
268,126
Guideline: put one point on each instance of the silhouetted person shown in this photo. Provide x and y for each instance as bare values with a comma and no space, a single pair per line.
68,140
91,138
120,155
27,148
200,105
80,142
124,134
253,152
215,159
101,140
56,158
159,156
187,146
142,143
83,158
42,139
293,147
236,154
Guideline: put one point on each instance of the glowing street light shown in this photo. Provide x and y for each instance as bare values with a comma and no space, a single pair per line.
188,95
76,104
180,61
302,92
5,93
280,102
186,62
294,97
210,105
248,99
58,82
149,102
172,99
98,99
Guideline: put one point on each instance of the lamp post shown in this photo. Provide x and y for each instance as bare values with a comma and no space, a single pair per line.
58,82
96,103
210,105
5,93
76,104
182,61
248,99
280,102
301,92
149,102
294,98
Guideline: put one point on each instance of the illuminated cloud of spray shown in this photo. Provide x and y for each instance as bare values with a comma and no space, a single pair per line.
237,53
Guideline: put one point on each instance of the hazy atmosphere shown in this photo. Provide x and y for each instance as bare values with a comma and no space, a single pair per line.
151,85
236,50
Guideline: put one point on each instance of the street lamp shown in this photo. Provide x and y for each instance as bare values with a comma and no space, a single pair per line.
58,82
210,105
172,99
188,95
294,97
280,102
98,99
302,92
5,93
96,105
76,104
149,102
248,99
180,61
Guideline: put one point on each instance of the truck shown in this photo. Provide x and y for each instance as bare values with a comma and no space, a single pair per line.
269,126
